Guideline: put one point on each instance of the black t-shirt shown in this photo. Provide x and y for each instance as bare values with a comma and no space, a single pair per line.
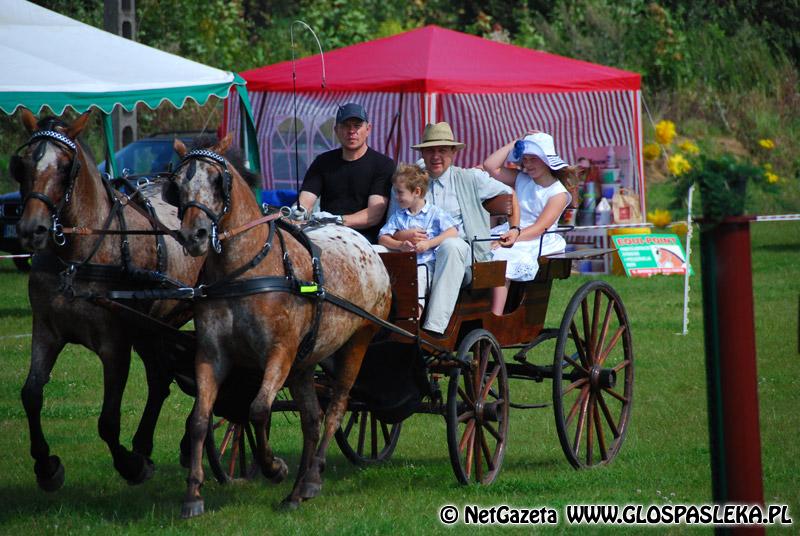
345,186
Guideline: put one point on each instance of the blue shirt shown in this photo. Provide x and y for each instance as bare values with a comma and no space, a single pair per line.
431,219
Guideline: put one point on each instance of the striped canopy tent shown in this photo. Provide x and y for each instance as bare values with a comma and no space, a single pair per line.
49,60
489,92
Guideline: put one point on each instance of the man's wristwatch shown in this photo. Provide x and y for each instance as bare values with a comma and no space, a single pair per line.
519,231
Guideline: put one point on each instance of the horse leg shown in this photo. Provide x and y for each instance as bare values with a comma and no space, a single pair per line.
44,352
116,359
209,375
158,381
301,386
275,373
349,359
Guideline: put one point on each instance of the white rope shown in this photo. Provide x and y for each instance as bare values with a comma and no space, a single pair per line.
22,256
20,336
611,226
779,217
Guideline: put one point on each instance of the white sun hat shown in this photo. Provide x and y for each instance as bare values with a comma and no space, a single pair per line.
540,145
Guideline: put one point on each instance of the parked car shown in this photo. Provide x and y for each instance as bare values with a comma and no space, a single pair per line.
10,211
147,155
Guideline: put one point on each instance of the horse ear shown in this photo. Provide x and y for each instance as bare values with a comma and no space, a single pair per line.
29,120
179,147
224,143
78,125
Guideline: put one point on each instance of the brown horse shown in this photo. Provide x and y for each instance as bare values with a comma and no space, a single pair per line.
62,187
263,331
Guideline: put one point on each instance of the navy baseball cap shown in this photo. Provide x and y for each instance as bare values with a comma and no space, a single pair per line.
349,111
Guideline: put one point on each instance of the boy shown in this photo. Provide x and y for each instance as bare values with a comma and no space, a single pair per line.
411,185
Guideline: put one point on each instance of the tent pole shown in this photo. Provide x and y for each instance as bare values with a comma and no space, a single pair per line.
108,129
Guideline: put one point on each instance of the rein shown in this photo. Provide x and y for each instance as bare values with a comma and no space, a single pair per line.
85,269
42,137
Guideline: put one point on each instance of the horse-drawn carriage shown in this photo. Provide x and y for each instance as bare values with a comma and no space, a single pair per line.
363,312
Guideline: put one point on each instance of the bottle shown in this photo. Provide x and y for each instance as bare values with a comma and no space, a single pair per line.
611,158
602,215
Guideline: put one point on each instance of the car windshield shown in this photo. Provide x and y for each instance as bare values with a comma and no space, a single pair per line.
145,156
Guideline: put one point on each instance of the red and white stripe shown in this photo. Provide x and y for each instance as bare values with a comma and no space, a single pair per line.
576,120
483,122
270,109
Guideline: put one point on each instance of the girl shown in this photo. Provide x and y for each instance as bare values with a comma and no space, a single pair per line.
539,185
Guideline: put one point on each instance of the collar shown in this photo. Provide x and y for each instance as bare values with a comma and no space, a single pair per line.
424,210
444,178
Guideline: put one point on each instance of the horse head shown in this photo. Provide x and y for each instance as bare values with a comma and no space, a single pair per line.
46,168
203,181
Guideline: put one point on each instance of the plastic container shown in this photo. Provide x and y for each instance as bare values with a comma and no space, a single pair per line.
585,218
609,190
610,175
616,264
602,215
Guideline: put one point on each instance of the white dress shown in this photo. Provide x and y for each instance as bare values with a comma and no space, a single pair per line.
521,258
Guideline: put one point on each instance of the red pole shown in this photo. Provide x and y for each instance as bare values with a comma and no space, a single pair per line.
731,365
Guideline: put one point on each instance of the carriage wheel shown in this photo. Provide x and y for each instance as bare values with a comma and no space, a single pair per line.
366,440
230,449
477,410
593,376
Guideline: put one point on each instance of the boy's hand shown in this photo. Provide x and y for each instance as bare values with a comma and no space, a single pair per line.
407,246
424,245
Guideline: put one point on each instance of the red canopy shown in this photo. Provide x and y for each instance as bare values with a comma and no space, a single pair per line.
436,60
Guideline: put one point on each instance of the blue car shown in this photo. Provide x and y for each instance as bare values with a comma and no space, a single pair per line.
147,155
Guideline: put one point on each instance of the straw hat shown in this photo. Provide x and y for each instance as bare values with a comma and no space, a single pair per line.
540,145
436,135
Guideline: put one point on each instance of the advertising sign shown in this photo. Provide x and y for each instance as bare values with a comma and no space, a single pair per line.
643,255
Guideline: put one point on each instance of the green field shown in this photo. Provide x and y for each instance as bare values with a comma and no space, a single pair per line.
664,459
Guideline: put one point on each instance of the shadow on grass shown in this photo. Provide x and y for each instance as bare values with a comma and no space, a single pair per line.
776,248
15,311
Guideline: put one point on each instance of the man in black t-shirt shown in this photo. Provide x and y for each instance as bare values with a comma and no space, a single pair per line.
353,183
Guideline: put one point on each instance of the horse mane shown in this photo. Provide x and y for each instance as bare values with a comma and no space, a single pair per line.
233,154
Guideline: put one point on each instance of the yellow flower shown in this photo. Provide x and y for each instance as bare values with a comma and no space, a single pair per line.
678,165
768,166
665,131
767,144
772,178
651,151
659,217
689,147
679,228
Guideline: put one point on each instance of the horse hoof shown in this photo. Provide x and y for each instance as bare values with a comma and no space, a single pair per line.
55,480
289,504
192,508
279,473
145,474
309,490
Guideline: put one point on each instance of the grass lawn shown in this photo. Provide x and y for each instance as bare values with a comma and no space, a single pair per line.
665,457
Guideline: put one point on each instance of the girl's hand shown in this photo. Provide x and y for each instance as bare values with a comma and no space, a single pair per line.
507,239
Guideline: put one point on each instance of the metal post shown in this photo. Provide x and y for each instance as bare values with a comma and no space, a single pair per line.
731,366
119,18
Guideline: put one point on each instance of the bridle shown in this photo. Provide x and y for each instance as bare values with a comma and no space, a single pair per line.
65,142
171,194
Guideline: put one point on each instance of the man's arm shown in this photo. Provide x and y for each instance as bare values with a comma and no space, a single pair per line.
370,216
489,187
307,200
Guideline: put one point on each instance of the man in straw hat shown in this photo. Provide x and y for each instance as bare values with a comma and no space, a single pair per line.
459,192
